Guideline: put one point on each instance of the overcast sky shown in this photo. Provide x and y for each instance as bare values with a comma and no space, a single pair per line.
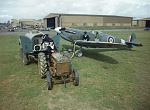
38,9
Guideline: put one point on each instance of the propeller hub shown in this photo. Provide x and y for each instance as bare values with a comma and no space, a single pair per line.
58,30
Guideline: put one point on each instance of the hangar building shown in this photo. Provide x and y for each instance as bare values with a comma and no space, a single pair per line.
145,22
74,20
27,22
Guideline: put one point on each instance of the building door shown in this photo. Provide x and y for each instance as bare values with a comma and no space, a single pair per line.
147,23
51,22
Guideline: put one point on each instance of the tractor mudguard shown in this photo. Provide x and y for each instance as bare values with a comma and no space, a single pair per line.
26,44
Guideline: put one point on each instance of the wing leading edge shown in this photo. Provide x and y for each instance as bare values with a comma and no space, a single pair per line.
94,44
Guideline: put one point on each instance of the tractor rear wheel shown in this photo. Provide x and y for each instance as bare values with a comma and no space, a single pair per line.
42,64
25,58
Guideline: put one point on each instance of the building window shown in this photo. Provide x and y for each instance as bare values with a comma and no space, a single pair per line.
74,24
113,24
84,24
94,24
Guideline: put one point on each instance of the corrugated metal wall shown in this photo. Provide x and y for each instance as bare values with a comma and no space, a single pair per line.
70,20
81,21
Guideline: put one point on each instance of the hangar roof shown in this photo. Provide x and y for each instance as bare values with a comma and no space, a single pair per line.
145,18
142,19
26,19
58,14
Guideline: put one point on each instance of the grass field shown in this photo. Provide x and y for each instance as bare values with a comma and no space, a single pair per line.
110,79
106,27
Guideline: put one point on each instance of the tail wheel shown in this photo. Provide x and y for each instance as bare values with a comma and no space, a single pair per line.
49,80
76,77
42,64
78,53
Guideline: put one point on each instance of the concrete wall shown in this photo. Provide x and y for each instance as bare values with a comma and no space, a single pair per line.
141,23
27,22
134,23
45,22
15,22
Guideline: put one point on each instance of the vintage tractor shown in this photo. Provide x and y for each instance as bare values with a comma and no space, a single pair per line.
55,67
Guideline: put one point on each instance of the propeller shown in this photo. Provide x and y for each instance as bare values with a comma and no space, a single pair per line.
62,29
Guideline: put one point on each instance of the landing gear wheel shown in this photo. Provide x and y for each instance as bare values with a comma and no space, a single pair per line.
78,53
49,80
42,64
76,77
25,58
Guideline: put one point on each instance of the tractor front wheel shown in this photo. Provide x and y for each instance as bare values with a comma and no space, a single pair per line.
42,64
49,80
75,77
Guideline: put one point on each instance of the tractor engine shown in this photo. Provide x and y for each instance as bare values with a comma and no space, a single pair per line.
60,64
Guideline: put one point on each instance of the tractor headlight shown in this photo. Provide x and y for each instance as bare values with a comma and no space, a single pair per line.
37,48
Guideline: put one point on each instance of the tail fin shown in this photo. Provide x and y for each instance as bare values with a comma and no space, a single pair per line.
131,41
131,38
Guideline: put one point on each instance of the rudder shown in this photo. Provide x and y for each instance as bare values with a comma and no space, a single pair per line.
132,38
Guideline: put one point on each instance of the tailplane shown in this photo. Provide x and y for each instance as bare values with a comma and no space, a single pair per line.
131,41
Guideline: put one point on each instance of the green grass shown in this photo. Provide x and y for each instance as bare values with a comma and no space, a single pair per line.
110,79
106,27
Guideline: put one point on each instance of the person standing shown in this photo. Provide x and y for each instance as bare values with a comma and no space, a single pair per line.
51,47
85,36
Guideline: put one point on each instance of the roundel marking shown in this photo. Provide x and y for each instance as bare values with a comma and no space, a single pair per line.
111,39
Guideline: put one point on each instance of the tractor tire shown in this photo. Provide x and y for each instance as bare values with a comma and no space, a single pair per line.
49,80
25,59
21,52
42,64
76,77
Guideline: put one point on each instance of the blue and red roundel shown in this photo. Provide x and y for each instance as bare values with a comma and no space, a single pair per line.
111,39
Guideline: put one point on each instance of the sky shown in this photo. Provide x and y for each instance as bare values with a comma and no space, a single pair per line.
38,9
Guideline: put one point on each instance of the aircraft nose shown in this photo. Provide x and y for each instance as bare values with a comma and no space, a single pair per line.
58,30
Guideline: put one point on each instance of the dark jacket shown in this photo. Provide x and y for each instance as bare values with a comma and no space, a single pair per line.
46,39
85,37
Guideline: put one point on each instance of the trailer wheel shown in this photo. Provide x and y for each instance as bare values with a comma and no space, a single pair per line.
25,59
76,77
42,64
49,80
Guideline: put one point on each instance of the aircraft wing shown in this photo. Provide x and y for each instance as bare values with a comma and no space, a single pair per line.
130,43
94,44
